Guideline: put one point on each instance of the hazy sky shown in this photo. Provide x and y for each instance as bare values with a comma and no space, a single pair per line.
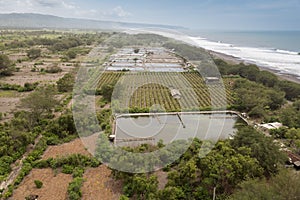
195,14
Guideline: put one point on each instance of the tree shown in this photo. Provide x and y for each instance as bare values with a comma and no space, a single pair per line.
186,176
141,186
258,112
123,197
293,134
71,54
250,95
171,193
65,84
53,69
291,89
40,102
38,184
262,148
6,66
267,78
34,53
225,167
106,91
290,117
277,99
286,185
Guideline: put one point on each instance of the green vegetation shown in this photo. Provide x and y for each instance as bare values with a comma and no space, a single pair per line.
36,123
119,40
26,88
71,54
265,98
106,92
262,148
40,102
38,184
227,165
34,53
61,130
65,84
53,69
252,73
74,192
6,66
290,115
285,185
247,167
150,94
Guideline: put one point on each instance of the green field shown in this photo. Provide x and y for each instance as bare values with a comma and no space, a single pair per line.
146,89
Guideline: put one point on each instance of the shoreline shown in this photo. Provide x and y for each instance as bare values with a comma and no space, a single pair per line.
235,60
228,58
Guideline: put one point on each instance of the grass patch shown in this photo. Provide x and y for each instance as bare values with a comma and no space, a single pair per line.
9,94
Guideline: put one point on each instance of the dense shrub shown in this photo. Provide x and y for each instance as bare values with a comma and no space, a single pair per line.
34,53
6,65
65,84
53,69
38,184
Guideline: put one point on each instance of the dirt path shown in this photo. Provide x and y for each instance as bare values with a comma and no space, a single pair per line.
17,166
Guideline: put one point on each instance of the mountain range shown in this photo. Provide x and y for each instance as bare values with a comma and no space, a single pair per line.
32,20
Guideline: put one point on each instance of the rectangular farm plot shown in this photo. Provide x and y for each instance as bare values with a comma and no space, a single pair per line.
54,185
143,90
146,59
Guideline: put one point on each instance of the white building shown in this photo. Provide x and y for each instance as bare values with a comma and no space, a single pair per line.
175,94
270,126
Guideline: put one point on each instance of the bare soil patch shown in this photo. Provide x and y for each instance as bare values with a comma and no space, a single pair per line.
54,186
162,178
22,77
8,105
99,185
74,147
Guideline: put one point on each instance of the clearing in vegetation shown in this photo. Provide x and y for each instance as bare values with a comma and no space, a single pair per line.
54,185
99,185
63,150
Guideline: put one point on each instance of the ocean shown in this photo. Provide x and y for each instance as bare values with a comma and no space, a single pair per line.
276,50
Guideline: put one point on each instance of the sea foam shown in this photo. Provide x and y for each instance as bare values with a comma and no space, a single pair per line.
284,62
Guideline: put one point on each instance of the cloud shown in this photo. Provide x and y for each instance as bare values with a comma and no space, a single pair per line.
54,4
92,13
48,3
120,12
69,6
116,12
63,8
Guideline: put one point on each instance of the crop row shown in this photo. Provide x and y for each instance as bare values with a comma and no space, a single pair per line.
147,89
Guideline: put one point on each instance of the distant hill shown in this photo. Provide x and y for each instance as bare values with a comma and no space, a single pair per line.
30,20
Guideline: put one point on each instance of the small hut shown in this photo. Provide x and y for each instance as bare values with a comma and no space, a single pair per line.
175,94
212,80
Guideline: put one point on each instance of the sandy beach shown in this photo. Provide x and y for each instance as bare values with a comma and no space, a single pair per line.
230,59
235,60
